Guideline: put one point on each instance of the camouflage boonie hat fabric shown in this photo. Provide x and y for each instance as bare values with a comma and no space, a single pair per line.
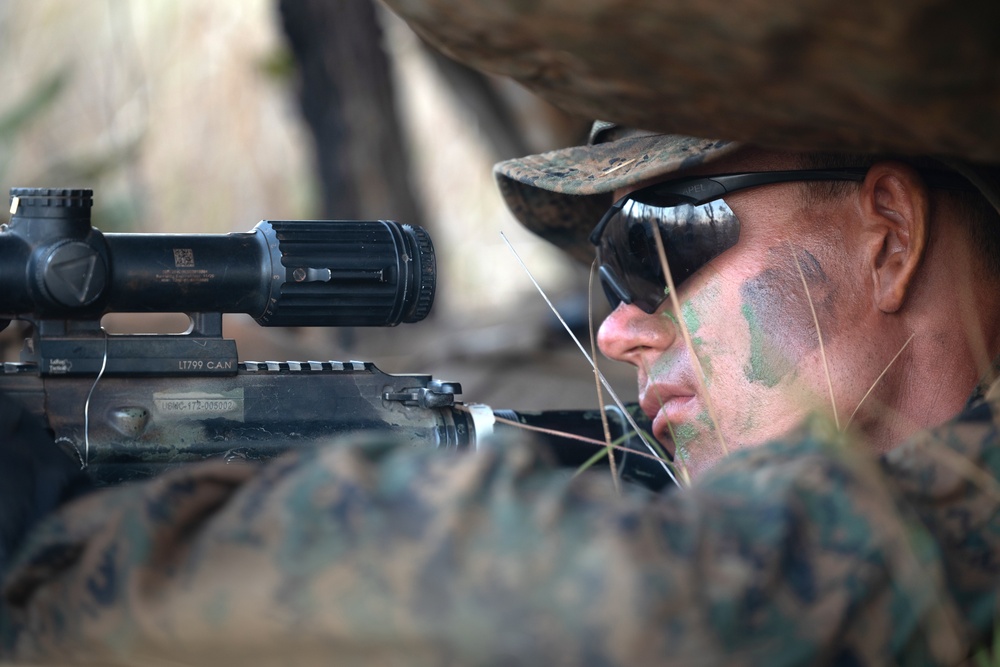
915,77
561,195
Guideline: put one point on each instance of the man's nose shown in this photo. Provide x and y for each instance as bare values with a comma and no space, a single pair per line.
628,333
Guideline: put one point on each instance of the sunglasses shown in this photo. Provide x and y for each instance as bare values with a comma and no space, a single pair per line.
696,226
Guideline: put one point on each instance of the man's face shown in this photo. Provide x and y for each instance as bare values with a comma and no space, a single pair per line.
753,368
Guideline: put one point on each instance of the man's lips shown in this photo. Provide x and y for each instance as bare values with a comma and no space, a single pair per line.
666,406
669,399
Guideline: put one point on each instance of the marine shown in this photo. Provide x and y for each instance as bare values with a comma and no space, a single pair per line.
841,499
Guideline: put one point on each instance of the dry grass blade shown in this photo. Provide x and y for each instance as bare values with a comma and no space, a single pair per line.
877,380
677,460
604,381
597,382
819,336
578,438
672,292
86,404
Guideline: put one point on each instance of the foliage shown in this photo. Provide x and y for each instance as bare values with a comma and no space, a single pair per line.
39,99
114,214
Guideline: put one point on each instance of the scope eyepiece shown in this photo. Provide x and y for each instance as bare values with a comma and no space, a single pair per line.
282,273
348,273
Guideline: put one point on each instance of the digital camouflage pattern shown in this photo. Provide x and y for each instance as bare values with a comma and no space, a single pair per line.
560,195
801,552
912,76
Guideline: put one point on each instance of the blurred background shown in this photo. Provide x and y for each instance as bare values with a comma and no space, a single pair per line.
189,116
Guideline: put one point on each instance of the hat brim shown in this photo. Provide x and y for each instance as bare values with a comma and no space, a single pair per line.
561,195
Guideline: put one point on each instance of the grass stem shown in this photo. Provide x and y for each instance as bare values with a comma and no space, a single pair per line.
682,325
819,336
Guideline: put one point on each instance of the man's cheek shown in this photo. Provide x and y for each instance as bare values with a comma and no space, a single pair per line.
776,308
767,363
705,306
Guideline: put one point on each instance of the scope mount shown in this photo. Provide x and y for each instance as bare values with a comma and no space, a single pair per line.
83,347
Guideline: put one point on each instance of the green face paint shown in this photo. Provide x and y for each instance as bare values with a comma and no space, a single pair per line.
682,434
767,364
691,317
691,312
778,312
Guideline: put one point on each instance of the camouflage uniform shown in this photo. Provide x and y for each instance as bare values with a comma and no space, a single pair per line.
802,551
798,552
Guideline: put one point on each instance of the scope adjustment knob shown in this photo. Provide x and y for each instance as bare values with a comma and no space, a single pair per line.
59,203
74,274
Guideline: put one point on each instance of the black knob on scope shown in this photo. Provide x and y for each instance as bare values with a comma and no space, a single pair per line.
68,263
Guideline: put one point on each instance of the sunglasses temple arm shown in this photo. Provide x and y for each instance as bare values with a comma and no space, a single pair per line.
611,281
595,236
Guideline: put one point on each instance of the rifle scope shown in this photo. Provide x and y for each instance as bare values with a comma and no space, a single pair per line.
282,272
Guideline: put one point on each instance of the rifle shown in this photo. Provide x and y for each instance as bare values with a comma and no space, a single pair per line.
130,406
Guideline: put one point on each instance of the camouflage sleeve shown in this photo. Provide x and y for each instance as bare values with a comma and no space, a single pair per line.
797,552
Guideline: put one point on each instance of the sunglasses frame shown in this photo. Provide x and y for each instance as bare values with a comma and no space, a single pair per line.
700,190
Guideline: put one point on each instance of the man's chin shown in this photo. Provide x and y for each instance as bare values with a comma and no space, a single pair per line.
696,458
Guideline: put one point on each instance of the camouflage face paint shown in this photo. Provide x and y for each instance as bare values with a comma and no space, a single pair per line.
767,364
682,435
692,311
691,318
776,309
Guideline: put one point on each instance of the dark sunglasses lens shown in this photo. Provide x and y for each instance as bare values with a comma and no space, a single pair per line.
692,237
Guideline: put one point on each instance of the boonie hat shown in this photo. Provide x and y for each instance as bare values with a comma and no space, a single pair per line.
561,195
896,77
806,75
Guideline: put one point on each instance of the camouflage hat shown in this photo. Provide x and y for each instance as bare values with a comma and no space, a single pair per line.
561,195
909,77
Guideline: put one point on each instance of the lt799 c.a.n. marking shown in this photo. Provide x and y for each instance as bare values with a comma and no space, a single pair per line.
198,364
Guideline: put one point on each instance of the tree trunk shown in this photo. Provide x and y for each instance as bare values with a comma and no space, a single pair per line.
349,104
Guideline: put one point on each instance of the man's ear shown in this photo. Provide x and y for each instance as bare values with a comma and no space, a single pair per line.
895,208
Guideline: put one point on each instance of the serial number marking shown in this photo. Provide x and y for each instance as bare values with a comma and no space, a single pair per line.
198,405
199,364
185,276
